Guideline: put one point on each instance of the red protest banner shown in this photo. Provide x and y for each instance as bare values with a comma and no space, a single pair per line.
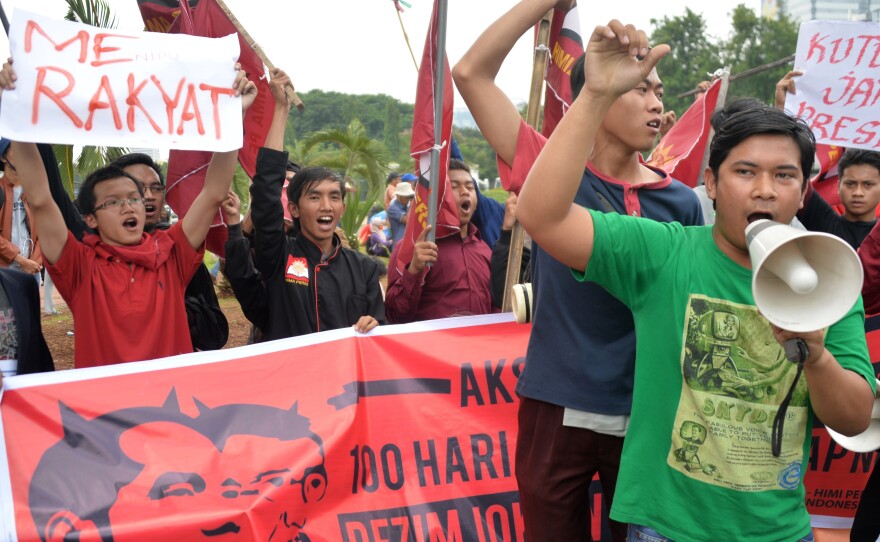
835,476
330,436
680,152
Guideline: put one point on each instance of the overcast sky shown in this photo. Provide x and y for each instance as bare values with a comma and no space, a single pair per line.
357,46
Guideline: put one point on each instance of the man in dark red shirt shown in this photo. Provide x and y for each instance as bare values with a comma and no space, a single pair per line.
457,281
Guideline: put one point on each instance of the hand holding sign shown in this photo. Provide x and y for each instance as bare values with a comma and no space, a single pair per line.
245,88
78,84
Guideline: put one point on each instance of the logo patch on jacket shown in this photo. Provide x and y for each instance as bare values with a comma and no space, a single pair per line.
297,271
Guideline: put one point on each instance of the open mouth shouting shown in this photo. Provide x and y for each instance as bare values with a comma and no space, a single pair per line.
654,125
326,223
130,223
759,216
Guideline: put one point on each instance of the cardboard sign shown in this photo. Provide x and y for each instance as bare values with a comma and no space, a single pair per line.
79,84
839,92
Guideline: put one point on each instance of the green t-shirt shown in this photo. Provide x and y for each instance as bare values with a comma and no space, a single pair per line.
697,463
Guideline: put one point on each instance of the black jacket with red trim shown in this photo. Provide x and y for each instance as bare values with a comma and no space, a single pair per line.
304,293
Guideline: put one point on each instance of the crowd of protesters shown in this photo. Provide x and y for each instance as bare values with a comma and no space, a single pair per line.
633,293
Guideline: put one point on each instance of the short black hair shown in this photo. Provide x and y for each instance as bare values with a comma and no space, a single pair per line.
393,175
761,120
732,108
304,180
85,201
456,164
136,158
858,157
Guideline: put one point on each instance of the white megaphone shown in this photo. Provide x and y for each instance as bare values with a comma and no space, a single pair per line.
867,441
801,281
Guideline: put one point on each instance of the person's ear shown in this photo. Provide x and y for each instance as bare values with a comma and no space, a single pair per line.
293,208
711,183
91,221
65,525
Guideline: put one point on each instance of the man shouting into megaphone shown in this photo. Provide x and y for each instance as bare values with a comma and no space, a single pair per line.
711,372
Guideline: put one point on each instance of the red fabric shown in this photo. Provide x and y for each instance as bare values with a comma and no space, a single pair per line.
869,253
458,284
420,149
528,146
825,183
159,15
680,152
124,311
186,169
566,46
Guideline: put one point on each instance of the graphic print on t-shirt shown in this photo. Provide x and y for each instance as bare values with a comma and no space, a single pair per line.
735,375
297,271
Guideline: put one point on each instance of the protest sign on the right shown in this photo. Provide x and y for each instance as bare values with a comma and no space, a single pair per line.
839,90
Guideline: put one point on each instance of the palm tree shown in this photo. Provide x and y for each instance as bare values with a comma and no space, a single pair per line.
95,13
363,162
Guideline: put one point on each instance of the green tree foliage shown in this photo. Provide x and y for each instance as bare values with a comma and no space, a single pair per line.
692,57
753,41
756,41
381,116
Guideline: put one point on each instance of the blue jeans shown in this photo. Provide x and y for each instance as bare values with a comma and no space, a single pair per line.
640,533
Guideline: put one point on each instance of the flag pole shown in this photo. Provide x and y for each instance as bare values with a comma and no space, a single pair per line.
4,20
439,81
291,93
514,258
719,105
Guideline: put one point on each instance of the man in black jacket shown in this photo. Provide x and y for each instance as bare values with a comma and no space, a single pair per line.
308,281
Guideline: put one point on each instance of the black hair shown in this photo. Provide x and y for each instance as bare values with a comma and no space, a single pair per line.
307,178
760,120
393,175
85,201
732,108
456,164
858,157
293,166
577,78
136,158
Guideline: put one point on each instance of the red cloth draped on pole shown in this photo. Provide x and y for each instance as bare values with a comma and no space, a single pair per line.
186,169
566,46
825,183
420,149
680,152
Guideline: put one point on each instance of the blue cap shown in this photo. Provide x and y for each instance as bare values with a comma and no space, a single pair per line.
408,177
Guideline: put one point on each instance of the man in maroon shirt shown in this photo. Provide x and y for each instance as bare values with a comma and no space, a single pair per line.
457,281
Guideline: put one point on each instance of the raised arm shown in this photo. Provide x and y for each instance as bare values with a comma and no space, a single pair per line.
35,185
218,179
546,210
474,75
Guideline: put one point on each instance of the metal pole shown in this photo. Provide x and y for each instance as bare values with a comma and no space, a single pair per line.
439,81
514,257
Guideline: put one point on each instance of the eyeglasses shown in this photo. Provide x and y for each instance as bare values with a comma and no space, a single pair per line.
154,188
118,203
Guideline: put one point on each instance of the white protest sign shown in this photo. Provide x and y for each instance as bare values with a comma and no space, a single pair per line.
79,84
839,92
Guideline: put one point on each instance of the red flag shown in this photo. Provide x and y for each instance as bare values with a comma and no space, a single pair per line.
186,169
825,183
420,149
566,46
159,15
680,152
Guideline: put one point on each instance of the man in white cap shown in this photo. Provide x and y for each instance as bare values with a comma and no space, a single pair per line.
397,211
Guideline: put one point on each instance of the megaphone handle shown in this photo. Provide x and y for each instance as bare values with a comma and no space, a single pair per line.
796,350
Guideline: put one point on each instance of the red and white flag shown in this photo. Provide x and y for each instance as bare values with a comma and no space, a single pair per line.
186,169
420,149
680,152
826,182
566,46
